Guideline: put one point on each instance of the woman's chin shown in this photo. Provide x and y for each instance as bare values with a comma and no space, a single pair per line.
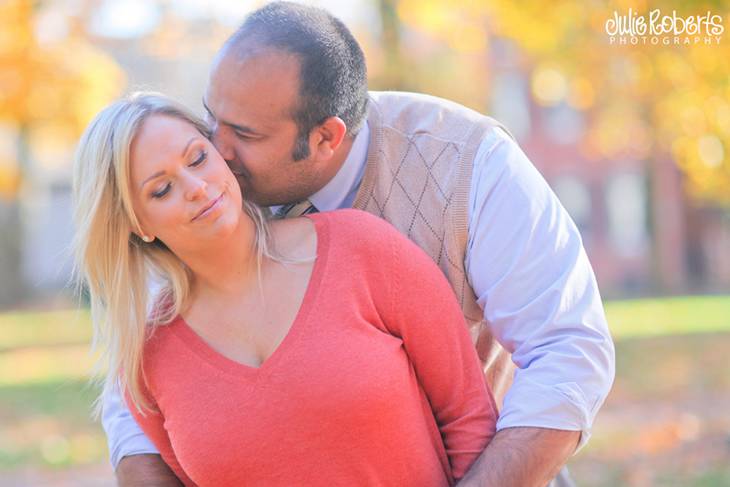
212,233
226,226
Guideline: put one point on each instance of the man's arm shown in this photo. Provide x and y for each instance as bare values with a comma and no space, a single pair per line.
135,459
145,471
526,263
524,457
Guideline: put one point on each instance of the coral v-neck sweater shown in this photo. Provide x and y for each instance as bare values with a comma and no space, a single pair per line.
376,383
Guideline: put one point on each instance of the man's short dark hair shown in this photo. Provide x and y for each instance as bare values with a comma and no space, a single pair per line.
332,78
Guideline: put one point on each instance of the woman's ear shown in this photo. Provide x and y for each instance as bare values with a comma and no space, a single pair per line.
326,137
141,234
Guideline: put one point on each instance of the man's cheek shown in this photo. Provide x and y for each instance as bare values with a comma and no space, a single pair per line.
242,183
235,168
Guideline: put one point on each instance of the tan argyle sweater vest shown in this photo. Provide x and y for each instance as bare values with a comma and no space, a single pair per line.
418,178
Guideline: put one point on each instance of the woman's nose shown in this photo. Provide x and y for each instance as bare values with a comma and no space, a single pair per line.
194,187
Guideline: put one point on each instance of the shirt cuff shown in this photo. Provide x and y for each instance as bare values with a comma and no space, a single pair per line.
136,444
123,434
560,407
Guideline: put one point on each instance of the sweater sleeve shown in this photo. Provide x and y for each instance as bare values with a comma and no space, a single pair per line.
426,316
153,425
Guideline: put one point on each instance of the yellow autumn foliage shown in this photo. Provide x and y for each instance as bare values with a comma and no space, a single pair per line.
65,81
645,101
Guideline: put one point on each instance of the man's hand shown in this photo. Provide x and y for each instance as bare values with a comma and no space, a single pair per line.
522,457
145,471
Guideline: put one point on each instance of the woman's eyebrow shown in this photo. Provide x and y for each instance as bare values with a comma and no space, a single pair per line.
161,173
185,150
155,175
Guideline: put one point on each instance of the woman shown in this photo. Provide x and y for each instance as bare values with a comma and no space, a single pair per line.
322,350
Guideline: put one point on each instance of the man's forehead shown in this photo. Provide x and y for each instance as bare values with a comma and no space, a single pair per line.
234,112
265,86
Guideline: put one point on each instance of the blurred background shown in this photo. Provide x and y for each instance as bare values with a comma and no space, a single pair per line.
631,132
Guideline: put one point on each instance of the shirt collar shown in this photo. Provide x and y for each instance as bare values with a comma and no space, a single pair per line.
342,188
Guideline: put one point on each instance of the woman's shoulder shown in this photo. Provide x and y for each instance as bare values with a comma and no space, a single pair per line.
158,336
161,322
358,236
354,221
361,233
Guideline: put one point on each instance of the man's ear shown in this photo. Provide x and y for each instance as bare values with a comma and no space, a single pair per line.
327,137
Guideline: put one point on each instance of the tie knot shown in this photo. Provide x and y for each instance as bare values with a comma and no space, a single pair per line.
293,210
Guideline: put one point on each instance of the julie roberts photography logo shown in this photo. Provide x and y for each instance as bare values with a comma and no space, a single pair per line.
659,28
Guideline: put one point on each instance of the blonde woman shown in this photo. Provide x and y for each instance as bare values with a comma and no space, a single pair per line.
321,350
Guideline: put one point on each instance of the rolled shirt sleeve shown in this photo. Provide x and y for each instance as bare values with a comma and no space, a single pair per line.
526,263
123,434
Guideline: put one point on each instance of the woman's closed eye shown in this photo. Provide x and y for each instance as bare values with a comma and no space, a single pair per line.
200,159
162,192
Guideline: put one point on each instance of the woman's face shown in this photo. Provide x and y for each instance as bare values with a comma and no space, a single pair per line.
182,190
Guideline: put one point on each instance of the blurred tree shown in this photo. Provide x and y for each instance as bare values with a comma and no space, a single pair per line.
49,90
393,73
441,53
644,101
62,80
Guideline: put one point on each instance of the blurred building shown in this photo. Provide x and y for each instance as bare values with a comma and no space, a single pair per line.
161,50
642,234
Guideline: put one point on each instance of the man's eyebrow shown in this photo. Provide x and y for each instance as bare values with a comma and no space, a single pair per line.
237,127
242,128
205,105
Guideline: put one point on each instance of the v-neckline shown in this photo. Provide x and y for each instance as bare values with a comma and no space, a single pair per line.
204,350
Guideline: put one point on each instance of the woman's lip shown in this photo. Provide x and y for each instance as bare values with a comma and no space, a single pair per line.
208,207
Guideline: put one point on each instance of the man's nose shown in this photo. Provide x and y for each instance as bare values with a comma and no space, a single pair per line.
220,141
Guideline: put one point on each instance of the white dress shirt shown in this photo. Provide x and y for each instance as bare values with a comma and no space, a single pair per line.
526,263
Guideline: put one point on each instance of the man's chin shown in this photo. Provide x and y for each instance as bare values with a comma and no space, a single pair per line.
246,190
242,182
250,194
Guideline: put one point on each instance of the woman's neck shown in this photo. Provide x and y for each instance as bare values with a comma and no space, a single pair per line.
227,267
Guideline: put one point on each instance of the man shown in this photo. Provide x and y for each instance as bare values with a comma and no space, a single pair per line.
288,103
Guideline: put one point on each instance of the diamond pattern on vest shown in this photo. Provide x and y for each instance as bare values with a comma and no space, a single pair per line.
418,177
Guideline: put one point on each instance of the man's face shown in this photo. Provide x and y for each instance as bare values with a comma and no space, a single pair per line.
250,103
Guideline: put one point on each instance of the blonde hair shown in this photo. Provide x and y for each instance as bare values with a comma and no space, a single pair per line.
112,261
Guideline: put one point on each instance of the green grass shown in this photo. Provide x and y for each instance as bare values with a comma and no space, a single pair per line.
69,399
666,348
45,396
49,424
716,478
627,318
33,329
31,365
664,423
668,316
